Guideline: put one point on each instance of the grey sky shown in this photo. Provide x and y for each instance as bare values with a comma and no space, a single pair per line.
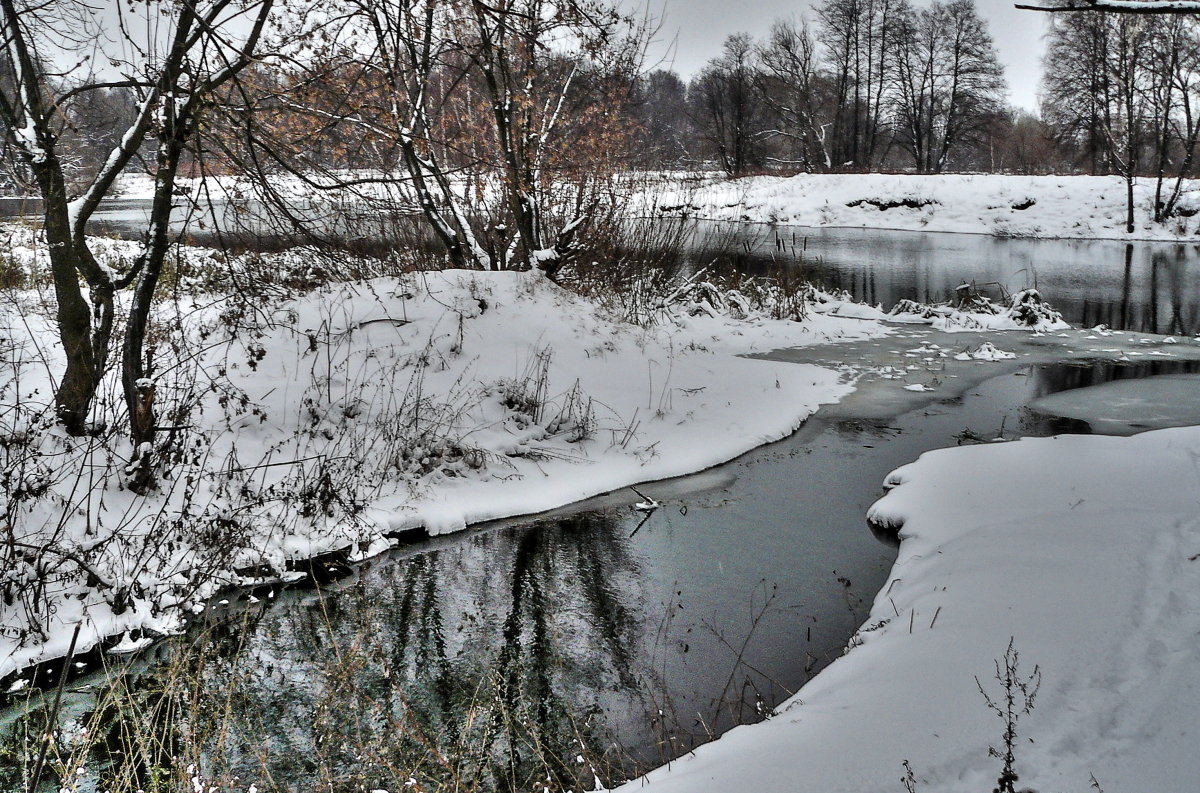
696,28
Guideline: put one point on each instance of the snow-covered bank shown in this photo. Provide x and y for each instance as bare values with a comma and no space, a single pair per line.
330,419
1079,207
1052,207
1080,549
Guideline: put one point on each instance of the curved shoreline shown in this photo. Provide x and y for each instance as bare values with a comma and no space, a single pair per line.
1025,544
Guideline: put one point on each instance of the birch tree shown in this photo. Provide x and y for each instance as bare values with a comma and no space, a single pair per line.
1174,90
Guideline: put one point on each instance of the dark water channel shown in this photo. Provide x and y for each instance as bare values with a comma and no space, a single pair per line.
598,640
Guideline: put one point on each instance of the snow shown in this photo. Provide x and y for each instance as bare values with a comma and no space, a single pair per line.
1066,207
467,396
128,645
970,312
433,400
1075,207
27,139
1082,551
989,352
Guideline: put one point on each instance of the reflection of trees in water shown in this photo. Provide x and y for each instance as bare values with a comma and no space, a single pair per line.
1154,299
1155,293
485,664
1054,378
1182,319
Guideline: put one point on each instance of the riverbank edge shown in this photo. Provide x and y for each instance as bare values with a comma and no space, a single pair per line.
728,339
1068,207
311,571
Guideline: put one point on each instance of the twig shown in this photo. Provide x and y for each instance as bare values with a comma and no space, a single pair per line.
52,717
641,523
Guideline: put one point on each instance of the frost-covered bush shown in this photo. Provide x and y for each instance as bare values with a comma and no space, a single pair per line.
1028,308
741,297
972,310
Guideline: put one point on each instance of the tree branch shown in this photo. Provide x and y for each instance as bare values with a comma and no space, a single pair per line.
1123,7
83,89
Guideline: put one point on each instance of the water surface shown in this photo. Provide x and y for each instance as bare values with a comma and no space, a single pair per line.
1151,287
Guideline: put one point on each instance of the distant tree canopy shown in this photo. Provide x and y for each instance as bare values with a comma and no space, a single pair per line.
873,84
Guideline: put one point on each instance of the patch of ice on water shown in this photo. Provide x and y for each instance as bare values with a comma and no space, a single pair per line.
1125,407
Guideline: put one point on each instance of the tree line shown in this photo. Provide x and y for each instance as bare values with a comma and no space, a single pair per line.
880,85
1122,93
871,84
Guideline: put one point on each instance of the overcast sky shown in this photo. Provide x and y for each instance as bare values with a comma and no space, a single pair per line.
693,30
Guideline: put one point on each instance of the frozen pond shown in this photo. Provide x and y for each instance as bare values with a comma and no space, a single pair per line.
616,635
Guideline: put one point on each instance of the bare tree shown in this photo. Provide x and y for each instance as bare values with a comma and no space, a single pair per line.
1174,85
1125,86
726,109
659,108
949,82
472,108
174,70
858,36
1023,143
1074,85
794,90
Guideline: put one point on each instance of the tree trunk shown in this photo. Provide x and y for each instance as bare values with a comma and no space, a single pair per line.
1129,202
136,372
76,389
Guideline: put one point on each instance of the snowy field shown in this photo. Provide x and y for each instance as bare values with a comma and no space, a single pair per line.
1083,550
1077,207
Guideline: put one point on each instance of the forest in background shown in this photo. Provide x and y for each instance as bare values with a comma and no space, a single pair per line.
864,85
